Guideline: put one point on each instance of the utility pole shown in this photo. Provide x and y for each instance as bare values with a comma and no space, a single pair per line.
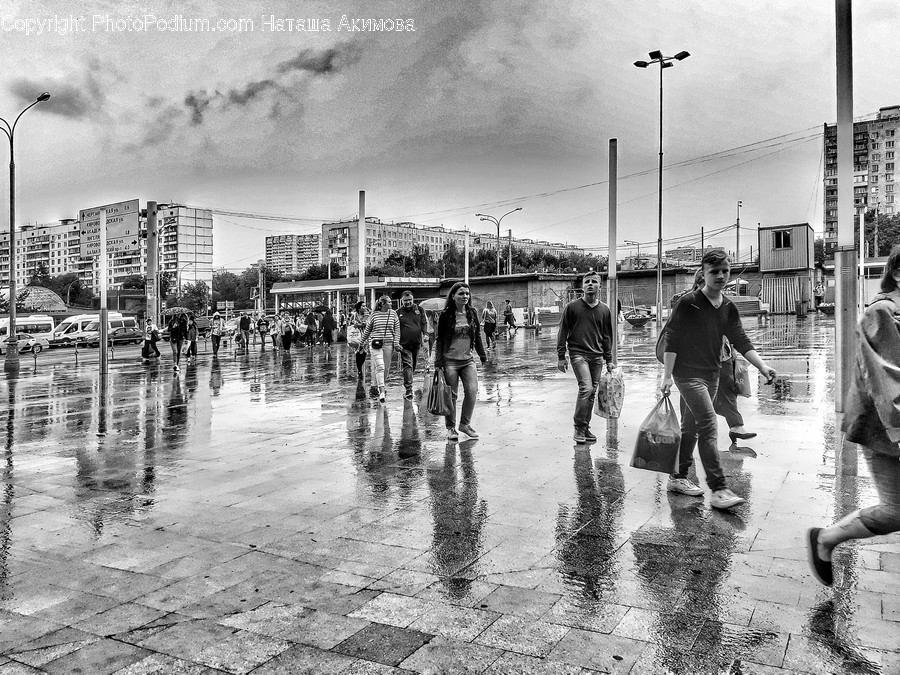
509,255
737,228
152,283
612,291
262,290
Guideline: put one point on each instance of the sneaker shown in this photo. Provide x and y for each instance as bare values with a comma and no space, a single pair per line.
381,396
452,434
176,368
468,430
821,569
684,486
589,437
579,436
408,395
725,499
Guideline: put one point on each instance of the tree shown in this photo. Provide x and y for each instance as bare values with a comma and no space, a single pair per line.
40,276
818,252
135,282
196,297
165,283
225,286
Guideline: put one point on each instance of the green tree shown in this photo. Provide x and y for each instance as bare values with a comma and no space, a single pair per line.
135,282
818,252
40,276
196,297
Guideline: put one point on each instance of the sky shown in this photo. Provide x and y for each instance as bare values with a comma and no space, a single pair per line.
485,106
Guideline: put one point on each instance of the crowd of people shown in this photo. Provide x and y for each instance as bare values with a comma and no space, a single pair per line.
699,348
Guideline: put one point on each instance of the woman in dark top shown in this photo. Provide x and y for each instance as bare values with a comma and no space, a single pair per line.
178,329
458,332
328,326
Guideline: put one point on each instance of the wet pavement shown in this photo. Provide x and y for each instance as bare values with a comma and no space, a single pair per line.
263,514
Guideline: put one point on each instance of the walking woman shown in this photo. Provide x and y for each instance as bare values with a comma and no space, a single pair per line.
359,317
489,319
192,339
312,327
328,327
287,333
178,326
215,331
872,420
382,337
458,332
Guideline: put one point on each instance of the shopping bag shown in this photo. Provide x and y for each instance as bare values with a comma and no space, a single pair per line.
301,329
354,335
741,376
440,400
658,439
610,393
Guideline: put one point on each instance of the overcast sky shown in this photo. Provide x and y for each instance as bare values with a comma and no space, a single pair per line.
485,106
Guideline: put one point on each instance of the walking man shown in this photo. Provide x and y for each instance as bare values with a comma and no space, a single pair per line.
244,326
413,328
692,349
509,319
262,327
586,330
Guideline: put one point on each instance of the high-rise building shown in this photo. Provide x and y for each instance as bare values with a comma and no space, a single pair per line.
293,253
185,250
873,168
340,242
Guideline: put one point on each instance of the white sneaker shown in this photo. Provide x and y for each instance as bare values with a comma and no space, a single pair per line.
725,499
684,486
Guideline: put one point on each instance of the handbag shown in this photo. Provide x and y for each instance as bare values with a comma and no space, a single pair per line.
610,393
354,336
377,344
659,437
741,377
440,399
301,329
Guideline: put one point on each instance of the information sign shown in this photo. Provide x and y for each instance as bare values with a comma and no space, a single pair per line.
122,229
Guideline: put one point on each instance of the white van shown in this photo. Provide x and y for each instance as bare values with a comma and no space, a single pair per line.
72,330
39,325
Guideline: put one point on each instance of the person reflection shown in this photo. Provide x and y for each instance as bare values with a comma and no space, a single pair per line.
375,457
215,378
459,516
176,415
587,532
410,444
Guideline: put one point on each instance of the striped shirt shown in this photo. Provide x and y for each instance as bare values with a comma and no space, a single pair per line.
384,326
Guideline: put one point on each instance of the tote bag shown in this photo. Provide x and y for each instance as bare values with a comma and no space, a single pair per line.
659,436
440,400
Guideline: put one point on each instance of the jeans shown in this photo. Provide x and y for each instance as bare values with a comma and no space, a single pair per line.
885,517
725,402
454,371
381,363
176,349
216,340
409,358
587,371
699,427
489,329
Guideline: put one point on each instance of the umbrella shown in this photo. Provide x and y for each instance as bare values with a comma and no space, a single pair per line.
433,303
322,308
176,310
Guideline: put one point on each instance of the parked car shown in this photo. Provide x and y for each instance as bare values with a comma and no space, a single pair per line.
27,343
117,336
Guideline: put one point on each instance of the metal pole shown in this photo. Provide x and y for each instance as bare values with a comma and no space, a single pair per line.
737,227
466,265
861,301
612,293
498,246
844,257
659,241
104,312
12,348
152,285
509,254
361,244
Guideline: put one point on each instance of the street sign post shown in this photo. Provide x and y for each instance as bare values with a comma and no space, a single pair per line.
122,232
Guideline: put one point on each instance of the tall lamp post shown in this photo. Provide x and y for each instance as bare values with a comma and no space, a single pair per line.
737,228
496,221
12,350
638,244
664,62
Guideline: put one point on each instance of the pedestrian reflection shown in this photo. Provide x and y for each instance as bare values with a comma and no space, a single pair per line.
176,415
385,475
410,445
459,517
830,626
586,532
215,377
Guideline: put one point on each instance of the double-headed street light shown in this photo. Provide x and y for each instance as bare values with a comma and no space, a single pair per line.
664,62
12,350
496,221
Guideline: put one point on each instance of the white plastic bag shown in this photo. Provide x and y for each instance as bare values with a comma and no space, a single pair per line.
610,393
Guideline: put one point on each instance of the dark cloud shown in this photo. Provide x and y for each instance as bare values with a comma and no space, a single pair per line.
197,102
65,100
250,92
323,62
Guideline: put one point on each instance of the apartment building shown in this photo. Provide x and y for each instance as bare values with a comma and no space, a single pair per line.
186,246
340,242
293,253
874,145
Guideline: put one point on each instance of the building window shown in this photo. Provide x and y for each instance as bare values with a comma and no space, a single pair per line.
876,157
888,188
889,199
889,155
874,190
889,144
782,238
889,133
888,178
874,179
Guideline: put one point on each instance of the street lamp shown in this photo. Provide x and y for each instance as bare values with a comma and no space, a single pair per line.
737,228
664,62
496,221
12,351
638,244
178,278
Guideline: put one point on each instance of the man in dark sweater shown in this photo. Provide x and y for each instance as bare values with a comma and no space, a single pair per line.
693,345
413,327
586,329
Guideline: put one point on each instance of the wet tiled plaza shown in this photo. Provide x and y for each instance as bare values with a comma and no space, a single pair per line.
261,513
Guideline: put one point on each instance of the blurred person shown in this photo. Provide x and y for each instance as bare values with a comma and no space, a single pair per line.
244,326
458,333
151,336
413,327
692,358
192,334
358,319
312,327
328,327
216,328
287,333
509,319
872,419
585,329
262,327
382,338
178,327
253,320
489,321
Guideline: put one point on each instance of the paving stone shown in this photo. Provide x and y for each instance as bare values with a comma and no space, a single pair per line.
303,660
529,604
383,644
159,664
393,609
519,664
606,653
443,656
297,624
536,638
457,623
96,658
122,617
